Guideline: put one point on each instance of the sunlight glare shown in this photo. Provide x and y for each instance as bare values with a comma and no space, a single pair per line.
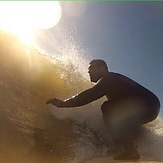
22,18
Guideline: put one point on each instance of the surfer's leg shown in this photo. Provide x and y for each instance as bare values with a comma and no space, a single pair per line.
106,109
135,112
122,120
108,113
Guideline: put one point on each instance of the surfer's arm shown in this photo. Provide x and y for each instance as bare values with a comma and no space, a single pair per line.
80,99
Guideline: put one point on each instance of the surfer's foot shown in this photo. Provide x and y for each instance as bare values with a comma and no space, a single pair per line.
127,154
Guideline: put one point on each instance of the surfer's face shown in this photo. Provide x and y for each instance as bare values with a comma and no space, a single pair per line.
94,73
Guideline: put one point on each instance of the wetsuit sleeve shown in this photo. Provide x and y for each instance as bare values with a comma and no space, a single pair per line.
85,97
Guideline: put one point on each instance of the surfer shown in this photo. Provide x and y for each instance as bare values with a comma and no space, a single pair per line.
129,106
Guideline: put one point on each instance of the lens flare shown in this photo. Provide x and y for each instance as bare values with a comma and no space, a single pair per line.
22,18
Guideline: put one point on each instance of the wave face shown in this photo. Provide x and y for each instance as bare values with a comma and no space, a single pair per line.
33,132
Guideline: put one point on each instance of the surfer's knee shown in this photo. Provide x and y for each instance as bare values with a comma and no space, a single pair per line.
152,109
157,105
155,109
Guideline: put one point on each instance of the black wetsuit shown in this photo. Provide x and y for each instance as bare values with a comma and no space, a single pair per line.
116,88
129,104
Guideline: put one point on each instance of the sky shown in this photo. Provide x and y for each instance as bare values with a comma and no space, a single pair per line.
127,35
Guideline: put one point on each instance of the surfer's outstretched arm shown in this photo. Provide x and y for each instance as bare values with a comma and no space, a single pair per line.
75,101
80,99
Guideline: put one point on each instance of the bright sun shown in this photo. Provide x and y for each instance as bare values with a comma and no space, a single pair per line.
23,18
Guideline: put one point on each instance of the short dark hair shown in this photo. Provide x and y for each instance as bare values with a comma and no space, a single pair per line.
99,62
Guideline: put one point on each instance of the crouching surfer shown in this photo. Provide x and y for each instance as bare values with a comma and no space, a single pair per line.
129,106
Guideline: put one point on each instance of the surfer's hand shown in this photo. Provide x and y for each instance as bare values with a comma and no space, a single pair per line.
55,101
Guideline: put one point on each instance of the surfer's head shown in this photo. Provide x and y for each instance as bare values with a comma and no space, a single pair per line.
97,69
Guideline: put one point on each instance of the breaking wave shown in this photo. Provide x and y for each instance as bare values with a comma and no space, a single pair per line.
33,132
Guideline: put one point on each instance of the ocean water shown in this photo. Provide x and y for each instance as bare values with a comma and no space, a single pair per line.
34,132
